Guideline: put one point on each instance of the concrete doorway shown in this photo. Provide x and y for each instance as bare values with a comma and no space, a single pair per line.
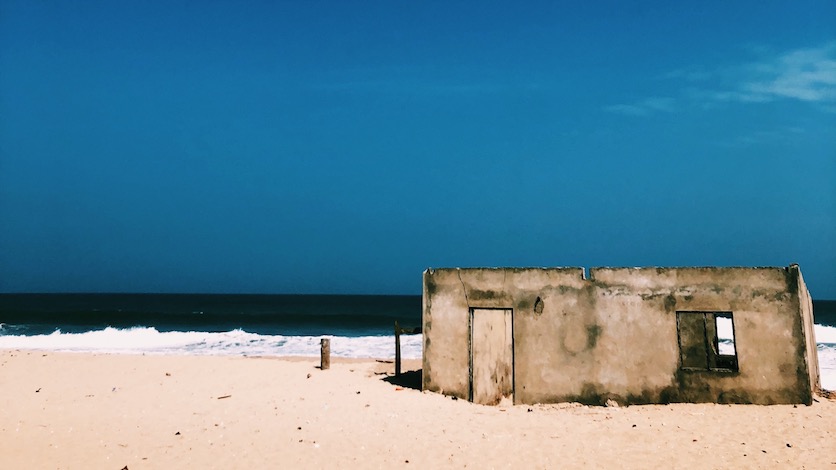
491,355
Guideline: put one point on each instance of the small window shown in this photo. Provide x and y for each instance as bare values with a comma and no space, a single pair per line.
706,341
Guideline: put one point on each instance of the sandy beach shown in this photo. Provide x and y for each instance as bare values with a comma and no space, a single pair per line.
85,411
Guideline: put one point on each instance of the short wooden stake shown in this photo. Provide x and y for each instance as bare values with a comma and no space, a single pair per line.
397,350
325,354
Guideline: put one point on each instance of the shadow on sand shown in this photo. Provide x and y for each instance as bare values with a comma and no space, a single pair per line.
409,379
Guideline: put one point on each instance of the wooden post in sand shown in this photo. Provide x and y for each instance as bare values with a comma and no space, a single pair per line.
325,354
397,349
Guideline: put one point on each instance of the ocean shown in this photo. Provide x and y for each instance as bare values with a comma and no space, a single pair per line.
249,325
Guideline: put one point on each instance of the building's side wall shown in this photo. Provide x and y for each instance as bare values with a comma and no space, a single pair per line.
614,336
805,302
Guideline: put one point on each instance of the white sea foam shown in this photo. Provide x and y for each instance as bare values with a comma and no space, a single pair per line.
826,339
238,342
235,342
825,334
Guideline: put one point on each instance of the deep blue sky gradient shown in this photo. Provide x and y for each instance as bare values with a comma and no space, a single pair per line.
343,147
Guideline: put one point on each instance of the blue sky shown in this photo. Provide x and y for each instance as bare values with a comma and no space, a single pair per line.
340,147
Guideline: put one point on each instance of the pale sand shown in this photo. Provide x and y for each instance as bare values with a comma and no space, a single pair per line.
87,411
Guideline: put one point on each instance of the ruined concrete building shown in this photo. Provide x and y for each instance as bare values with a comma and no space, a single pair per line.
630,335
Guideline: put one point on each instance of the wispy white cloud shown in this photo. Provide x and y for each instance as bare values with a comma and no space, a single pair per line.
644,107
807,75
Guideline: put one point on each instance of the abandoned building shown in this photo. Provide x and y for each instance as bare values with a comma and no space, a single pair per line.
628,335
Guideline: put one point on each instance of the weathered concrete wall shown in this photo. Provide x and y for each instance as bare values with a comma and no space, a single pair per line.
806,306
614,335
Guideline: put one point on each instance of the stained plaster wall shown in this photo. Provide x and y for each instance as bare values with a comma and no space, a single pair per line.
806,306
614,335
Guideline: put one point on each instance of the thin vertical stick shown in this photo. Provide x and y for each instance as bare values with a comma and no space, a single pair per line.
397,349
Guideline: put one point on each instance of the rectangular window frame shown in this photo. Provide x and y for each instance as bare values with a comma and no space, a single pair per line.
705,341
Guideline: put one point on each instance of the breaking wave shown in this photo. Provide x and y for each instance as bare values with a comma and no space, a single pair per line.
142,340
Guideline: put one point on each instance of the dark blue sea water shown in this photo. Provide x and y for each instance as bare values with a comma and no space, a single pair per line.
824,312
341,315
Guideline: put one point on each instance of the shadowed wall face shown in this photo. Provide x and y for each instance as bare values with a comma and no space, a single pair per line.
633,335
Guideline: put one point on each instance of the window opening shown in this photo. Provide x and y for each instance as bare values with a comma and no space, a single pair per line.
725,334
706,341
725,350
